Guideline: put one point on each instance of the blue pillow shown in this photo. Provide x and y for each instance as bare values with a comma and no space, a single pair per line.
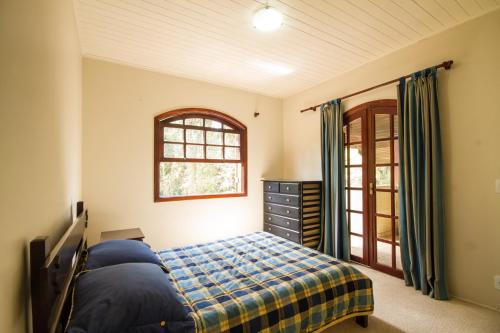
116,252
133,297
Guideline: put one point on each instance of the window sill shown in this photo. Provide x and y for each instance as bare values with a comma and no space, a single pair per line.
197,197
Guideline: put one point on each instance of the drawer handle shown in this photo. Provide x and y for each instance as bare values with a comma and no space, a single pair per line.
287,234
287,222
269,218
270,208
269,187
287,199
288,188
269,198
287,211
269,229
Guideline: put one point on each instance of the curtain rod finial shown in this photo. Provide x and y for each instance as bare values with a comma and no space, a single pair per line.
312,108
447,64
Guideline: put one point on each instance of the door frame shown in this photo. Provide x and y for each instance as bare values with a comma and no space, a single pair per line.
364,111
359,112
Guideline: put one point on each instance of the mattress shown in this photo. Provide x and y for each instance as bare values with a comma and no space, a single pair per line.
264,283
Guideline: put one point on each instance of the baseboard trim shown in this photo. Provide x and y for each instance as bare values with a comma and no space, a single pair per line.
476,303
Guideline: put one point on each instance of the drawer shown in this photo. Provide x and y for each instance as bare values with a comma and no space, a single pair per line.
282,232
282,221
290,188
271,187
283,199
287,211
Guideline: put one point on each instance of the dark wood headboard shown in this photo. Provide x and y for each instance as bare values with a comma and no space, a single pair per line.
52,274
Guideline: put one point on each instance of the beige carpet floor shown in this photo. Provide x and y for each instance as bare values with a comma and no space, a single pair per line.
402,309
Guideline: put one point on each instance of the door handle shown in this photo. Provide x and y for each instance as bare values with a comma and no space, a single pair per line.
371,188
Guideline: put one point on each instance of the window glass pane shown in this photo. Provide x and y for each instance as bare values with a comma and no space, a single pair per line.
194,151
232,153
212,123
384,253
383,177
356,177
177,122
397,229
171,150
396,151
382,152
398,258
384,228
396,177
227,127
184,178
382,126
173,134
214,152
396,204
231,139
396,125
214,138
355,130
355,155
383,202
344,134
194,136
357,223
356,200
194,122
357,246
346,177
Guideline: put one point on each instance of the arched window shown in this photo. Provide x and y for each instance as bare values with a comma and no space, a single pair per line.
199,153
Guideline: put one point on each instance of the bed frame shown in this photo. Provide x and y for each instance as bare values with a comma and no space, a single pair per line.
52,274
53,271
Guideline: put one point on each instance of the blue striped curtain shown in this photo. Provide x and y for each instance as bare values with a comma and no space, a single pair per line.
335,236
421,189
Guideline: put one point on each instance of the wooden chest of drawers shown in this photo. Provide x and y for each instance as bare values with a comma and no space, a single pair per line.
292,210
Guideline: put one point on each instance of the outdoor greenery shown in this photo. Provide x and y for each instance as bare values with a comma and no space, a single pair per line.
184,178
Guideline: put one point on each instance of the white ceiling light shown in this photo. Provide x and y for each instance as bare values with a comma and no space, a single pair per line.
267,19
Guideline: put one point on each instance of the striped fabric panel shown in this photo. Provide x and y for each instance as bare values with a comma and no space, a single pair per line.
263,283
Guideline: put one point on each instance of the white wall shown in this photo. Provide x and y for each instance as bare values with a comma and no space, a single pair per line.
119,104
470,115
40,138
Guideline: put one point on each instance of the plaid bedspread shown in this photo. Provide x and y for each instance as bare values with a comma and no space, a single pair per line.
264,283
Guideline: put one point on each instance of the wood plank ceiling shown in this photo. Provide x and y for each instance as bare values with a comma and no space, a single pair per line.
214,41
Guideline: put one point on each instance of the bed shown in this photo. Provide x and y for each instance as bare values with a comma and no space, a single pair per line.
262,282
252,283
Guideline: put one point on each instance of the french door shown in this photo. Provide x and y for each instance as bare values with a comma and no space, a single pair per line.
372,179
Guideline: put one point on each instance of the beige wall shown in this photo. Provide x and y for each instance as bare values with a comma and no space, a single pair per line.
470,111
119,104
40,138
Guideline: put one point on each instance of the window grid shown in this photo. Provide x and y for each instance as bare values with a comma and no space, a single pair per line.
212,121
225,129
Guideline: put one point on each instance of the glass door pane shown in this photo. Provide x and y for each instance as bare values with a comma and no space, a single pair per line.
384,253
356,246
354,160
385,166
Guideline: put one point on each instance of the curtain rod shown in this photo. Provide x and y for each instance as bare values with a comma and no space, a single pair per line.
446,65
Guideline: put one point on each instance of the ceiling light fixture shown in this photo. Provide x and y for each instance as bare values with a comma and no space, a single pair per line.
267,19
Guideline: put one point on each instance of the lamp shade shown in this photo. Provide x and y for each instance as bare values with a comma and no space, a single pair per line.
267,19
